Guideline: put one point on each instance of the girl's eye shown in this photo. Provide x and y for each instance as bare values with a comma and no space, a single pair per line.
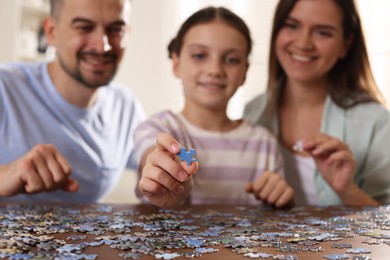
232,60
198,56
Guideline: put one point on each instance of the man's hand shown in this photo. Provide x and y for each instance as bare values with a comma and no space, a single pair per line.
42,169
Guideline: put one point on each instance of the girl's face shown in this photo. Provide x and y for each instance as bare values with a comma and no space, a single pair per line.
311,41
212,64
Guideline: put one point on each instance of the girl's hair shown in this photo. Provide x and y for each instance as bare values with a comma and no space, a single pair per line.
352,79
207,15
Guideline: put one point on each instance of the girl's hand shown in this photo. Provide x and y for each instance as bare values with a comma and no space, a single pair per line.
272,189
165,181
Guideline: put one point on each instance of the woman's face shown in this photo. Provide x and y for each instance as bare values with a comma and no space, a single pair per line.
311,40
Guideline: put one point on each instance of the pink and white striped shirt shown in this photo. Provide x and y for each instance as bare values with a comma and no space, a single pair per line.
227,160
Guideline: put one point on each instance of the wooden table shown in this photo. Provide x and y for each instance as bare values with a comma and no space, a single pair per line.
231,232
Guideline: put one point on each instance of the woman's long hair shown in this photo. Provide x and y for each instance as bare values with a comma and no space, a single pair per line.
352,78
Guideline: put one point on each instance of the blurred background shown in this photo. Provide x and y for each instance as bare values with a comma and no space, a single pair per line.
146,68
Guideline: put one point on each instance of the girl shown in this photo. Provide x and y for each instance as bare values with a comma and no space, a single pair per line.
322,96
210,56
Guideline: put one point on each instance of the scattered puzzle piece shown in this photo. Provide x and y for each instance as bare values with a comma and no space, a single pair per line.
188,156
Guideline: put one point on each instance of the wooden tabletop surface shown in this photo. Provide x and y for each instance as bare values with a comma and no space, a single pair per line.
118,231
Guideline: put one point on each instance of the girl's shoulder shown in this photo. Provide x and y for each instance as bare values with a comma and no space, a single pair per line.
257,130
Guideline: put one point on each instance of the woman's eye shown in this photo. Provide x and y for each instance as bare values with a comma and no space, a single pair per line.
290,25
325,33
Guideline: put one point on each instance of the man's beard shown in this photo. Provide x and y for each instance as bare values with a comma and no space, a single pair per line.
77,75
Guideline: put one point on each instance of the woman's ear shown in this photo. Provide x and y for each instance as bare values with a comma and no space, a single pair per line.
347,45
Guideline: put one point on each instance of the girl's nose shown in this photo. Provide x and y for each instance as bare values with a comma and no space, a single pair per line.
215,67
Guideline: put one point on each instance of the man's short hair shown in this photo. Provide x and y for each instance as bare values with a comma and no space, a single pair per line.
55,8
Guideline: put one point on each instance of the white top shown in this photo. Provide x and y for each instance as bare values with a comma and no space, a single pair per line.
300,175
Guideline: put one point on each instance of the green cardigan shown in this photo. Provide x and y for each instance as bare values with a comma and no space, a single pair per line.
364,127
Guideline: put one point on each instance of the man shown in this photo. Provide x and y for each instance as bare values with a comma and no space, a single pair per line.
64,127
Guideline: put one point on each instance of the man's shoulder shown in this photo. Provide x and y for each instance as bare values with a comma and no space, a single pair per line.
120,97
119,91
11,67
19,70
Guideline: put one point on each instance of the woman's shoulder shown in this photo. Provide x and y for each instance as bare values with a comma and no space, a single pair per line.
258,101
255,108
371,111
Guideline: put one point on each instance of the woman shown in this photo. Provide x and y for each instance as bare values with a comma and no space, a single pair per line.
322,100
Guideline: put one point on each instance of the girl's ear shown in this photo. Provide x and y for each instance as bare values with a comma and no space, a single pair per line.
244,75
49,27
246,72
347,45
175,64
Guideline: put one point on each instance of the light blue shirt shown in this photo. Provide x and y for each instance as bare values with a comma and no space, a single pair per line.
364,127
97,141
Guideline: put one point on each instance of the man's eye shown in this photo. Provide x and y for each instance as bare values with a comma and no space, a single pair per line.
116,31
84,28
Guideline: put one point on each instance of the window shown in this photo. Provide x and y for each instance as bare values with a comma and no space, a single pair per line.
377,32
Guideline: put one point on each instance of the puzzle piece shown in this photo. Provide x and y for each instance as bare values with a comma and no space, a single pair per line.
298,146
336,256
188,156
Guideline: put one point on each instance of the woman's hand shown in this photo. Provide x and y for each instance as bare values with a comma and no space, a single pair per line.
334,160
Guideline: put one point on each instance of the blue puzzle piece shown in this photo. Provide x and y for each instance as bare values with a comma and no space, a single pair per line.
188,156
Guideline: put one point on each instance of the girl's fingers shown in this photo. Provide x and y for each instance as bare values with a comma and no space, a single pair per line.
165,142
286,198
164,179
148,186
164,161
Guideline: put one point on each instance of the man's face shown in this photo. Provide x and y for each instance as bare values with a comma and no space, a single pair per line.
90,38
